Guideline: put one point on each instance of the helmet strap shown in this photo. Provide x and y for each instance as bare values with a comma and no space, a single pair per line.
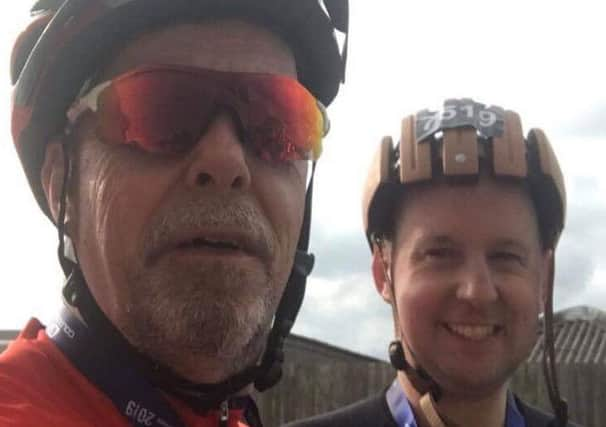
290,303
559,405
418,376
66,254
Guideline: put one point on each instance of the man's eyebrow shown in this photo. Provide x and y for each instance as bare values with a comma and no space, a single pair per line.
434,239
512,243
445,239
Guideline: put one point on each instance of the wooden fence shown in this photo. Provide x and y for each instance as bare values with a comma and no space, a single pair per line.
319,378
582,385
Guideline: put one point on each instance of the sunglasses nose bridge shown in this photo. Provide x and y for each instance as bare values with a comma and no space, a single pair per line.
218,157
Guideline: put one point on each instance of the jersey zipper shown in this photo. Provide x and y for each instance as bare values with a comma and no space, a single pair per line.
224,415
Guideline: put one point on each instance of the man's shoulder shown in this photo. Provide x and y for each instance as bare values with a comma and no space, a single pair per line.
28,366
22,366
535,417
24,353
371,412
39,387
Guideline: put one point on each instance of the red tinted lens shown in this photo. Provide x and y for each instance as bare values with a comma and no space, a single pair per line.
159,112
167,109
281,118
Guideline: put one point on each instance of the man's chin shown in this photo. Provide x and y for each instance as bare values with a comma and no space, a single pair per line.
179,266
476,387
225,318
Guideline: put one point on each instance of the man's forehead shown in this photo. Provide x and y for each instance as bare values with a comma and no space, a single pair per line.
458,190
221,44
433,209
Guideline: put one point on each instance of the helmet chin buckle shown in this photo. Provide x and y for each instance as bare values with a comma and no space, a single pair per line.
304,263
420,378
428,399
397,357
271,376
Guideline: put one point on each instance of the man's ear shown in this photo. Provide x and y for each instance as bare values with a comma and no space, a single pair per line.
380,272
52,176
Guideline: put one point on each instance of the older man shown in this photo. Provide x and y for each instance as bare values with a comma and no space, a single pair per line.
463,217
170,142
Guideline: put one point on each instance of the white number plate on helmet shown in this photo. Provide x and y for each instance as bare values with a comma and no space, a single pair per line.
488,121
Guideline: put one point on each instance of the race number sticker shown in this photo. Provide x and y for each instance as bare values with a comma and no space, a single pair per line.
488,121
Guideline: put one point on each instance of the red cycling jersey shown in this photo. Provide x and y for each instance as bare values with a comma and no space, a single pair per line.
40,387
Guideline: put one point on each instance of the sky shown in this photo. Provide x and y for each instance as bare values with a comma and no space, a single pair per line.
543,59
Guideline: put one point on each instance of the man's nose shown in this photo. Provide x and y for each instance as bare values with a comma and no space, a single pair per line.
476,283
219,158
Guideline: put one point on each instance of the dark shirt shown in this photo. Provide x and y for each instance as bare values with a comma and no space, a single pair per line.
375,412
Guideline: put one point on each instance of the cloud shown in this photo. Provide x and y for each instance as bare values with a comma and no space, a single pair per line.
581,251
341,305
348,313
588,124
339,254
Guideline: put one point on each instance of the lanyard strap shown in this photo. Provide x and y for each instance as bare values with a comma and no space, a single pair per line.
513,417
402,413
399,406
137,399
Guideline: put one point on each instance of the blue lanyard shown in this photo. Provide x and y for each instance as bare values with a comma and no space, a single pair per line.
399,406
137,399
402,413
513,417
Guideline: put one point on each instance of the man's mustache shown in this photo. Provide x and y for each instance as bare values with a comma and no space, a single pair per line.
214,217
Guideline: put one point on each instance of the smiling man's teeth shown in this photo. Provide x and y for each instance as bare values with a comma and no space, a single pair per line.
472,332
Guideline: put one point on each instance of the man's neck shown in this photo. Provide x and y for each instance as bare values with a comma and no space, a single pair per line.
486,411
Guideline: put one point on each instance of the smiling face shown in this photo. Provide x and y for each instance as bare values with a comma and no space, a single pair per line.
468,268
188,254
